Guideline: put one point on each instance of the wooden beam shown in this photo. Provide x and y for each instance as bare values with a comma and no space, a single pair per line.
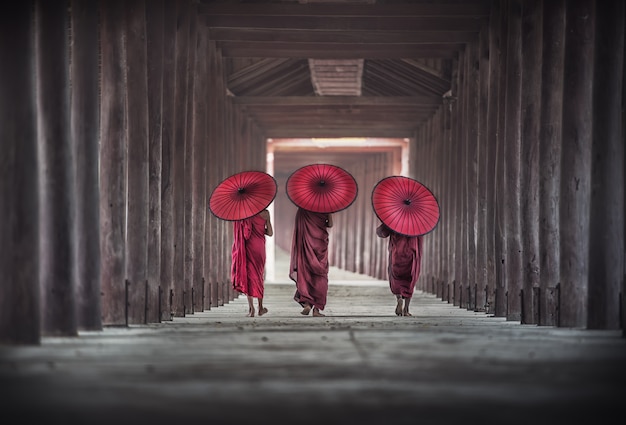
339,101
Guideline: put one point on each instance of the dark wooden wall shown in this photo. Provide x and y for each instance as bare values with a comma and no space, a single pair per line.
111,147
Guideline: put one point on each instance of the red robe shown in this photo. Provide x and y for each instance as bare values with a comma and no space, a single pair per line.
405,258
248,256
309,258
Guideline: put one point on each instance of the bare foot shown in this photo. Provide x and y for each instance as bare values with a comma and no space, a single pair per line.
262,311
399,307
250,313
317,313
406,313
306,310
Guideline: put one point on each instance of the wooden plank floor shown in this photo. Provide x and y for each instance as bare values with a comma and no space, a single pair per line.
360,364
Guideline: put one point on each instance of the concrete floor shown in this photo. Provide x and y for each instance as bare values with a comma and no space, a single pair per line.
359,364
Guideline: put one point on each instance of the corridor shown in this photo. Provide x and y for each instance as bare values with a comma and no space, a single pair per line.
359,364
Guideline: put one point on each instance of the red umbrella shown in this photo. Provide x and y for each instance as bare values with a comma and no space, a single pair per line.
405,205
321,188
242,195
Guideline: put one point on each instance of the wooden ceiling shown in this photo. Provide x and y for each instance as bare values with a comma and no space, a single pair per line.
314,69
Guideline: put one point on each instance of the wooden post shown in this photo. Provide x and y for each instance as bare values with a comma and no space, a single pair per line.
84,126
550,151
137,164
529,172
606,235
167,155
112,163
155,63
576,163
19,188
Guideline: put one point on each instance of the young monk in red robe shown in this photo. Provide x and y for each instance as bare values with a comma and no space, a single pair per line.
405,258
248,258
309,260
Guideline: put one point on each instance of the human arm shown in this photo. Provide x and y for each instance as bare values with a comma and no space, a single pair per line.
265,214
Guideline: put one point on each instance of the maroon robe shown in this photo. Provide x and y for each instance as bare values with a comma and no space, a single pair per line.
309,258
248,256
405,258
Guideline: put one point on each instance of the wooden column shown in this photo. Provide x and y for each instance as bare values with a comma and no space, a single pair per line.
492,150
484,162
512,151
576,163
212,159
606,235
85,127
529,184
180,137
550,158
57,171
19,188
155,71
112,164
500,291
167,159
189,183
200,139
137,165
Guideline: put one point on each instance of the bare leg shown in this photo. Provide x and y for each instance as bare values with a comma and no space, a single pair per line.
250,306
306,310
262,310
317,312
405,312
399,305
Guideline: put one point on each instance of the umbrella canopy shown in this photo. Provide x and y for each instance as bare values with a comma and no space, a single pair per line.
405,205
242,195
322,188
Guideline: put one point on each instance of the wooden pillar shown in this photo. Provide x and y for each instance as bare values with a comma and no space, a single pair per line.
550,158
512,165
57,196
19,188
213,161
200,138
500,290
85,126
189,183
112,164
472,83
606,235
167,159
155,63
576,163
529,184
137,165
484,162
180,137
492,141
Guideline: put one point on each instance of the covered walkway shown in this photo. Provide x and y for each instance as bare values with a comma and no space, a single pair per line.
359,364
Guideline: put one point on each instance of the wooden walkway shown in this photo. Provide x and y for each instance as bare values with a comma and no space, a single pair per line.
360,364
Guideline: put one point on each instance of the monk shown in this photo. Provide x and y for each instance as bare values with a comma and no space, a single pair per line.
308,266
405,257
248,258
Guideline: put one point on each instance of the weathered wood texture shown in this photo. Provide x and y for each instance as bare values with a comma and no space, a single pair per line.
19,187
167,160
84,127
575,190
532,18
56,164
137,165
550,158
606,232
155,60
112,164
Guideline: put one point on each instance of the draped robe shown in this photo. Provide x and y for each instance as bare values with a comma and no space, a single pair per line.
405,257
309,258
248,256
